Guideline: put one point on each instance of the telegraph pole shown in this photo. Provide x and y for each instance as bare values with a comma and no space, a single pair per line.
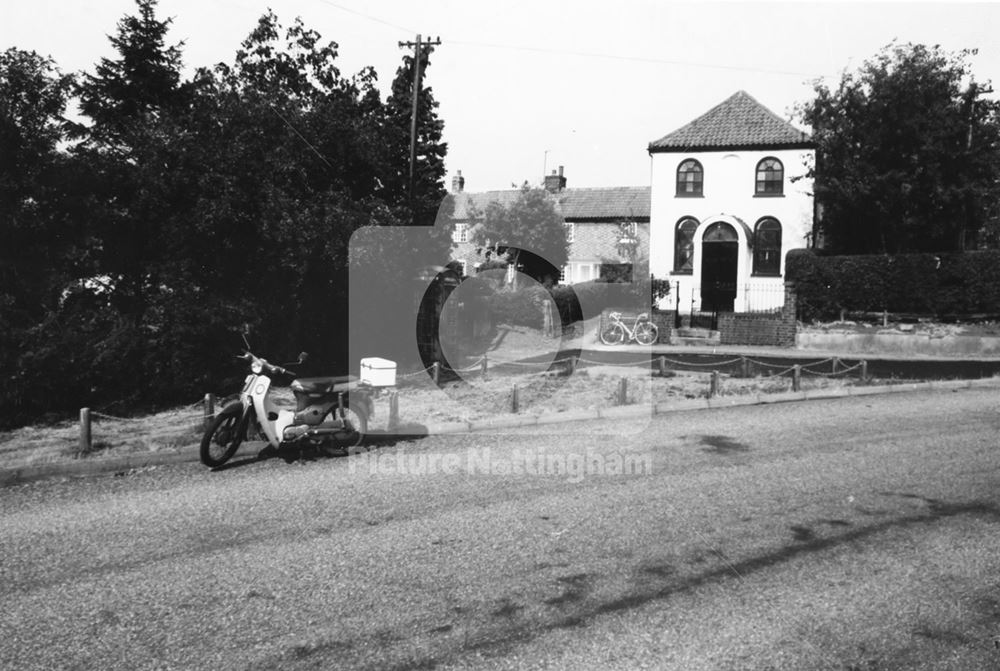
971,222
418,52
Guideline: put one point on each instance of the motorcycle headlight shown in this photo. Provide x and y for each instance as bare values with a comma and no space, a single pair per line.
256,367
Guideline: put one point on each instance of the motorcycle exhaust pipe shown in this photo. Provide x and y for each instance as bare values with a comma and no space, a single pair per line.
302,431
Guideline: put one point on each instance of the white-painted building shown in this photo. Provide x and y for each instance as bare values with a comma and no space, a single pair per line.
729,198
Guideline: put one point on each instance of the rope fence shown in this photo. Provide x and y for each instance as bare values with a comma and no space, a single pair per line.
203,412
187,416
747,367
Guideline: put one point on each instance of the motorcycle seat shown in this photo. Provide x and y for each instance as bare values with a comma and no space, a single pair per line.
324,385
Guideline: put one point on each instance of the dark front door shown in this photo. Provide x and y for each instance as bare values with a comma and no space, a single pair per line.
719,254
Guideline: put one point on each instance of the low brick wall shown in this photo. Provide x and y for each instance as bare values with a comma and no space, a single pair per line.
761,328
664,320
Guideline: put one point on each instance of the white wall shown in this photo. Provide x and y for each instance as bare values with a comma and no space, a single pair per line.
728,195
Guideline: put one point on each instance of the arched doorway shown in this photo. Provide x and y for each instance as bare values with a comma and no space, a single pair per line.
719,256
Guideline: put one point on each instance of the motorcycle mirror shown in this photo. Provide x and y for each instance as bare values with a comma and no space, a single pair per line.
303,356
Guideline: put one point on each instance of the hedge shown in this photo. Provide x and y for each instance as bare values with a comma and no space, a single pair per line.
941,285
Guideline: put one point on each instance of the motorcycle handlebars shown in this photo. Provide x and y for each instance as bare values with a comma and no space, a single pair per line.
265,367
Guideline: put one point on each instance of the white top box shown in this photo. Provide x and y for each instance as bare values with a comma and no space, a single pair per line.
378,372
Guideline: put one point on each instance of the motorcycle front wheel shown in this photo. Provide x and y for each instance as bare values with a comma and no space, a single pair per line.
351,436
224,435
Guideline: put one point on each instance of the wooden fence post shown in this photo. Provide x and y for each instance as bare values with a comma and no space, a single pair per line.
663,366
796,377
623,391
713,387
85,433
436,372
393,409
515,402
864,372
744,367
835,368
485,366
572,365
209,410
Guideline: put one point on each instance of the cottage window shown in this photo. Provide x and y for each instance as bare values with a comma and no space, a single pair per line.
770,177
689,178
767,247
461,233
684,245
570,232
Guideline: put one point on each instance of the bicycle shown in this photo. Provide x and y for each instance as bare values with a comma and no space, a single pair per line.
643,331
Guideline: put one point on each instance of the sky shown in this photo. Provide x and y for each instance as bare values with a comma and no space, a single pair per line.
527,86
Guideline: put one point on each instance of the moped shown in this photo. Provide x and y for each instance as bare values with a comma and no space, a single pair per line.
331,414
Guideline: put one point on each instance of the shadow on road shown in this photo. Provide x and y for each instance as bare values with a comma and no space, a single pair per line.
292,454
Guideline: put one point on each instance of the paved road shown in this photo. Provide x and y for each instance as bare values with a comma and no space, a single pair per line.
861,533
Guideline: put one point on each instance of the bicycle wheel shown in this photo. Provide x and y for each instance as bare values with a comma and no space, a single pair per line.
613,334
645,333
223,437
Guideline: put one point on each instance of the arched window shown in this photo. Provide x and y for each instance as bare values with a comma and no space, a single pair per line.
770,178
767,247
689,178
684,245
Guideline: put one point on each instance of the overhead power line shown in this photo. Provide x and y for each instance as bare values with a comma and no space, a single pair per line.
584,54
638,59
368,16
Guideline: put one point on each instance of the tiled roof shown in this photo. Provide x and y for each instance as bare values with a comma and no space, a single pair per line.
614,202
600,203
738,121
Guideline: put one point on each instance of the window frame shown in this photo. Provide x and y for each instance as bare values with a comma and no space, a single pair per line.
695,168
461,233
761,189
772,268
679,268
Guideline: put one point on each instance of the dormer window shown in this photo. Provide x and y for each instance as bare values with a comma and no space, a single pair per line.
689,179
770,178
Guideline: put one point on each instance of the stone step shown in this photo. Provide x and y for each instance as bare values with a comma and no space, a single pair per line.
697,341
689,332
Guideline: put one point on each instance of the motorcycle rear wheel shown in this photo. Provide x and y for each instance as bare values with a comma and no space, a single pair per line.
351,437
224,436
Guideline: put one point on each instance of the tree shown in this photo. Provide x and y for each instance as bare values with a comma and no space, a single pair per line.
186,209
128,92
907,154
530,233
429,171
38,238
134,103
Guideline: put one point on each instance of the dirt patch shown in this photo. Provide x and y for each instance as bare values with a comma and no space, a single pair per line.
588,389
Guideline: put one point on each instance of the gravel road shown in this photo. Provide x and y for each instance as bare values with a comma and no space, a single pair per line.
857,533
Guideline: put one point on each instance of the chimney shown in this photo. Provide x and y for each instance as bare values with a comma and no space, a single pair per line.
458,183
555,182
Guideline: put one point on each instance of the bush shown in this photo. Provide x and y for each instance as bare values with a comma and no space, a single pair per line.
519,308
940,285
